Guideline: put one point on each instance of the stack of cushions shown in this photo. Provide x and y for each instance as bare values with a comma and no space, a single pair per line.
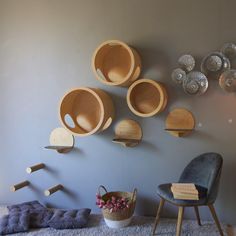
28,215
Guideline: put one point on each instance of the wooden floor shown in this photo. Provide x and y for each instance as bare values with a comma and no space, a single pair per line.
231,230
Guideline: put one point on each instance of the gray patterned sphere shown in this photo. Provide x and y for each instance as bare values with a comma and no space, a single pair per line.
229,50
178,75
227,81
187,62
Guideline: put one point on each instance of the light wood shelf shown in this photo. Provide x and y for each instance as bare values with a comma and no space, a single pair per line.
128,133
89,110
116,63
180,122
61,140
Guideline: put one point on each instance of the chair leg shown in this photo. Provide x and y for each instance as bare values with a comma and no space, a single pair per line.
161,204
197,215
213,213
180,219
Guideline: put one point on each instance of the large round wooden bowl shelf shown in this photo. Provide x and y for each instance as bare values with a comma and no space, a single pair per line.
85,111
180,122
116,63
146,97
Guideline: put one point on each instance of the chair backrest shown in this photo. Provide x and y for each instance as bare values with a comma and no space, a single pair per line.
204,170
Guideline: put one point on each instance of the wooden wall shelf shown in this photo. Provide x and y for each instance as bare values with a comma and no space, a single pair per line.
116,63
128,133
61,140
34,168
147,97
20,185
180,122
53,189
89,110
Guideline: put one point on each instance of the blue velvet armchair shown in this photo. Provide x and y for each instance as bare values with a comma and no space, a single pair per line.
204,171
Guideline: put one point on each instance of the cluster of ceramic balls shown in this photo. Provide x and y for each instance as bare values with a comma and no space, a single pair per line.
192,82
216,65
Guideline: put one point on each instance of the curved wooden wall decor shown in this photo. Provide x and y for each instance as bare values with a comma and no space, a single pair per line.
180,122
146,97
128,133
116,63
90,111
19,185
34,168
61,140
53,189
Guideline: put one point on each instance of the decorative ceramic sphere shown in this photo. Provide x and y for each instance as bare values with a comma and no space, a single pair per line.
196,83
227,81
229,50
214,64
178,75
187,62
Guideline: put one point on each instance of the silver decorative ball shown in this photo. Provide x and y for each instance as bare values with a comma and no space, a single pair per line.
178,75
187,62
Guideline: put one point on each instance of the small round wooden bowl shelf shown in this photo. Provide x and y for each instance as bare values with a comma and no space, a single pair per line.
128,133
116,63
86,111
146,97
180,122
61,140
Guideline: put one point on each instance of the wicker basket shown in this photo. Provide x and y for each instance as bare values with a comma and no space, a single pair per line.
122,217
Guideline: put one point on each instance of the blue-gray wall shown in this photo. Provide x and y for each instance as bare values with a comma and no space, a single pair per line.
45,50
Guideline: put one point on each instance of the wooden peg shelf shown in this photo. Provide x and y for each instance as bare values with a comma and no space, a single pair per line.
146,97
85,111
180,122
60,149
128,133
19,185
61,140
116,63
53,189
34,168
126,142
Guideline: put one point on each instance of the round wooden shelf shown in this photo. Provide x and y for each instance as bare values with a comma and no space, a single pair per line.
116,63
128,133
85,111
146,97
180,122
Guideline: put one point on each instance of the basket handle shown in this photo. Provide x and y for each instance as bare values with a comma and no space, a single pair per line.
101,187
134,194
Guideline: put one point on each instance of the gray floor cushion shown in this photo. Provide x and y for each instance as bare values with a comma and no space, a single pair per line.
70,219
40,218
30,206
14,223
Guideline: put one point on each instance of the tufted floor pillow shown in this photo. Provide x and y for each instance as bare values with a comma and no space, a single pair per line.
40,218
29,206
69,219
14,223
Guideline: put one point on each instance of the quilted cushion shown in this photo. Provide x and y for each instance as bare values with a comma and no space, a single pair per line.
69,219
40,218
14,223
26,206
